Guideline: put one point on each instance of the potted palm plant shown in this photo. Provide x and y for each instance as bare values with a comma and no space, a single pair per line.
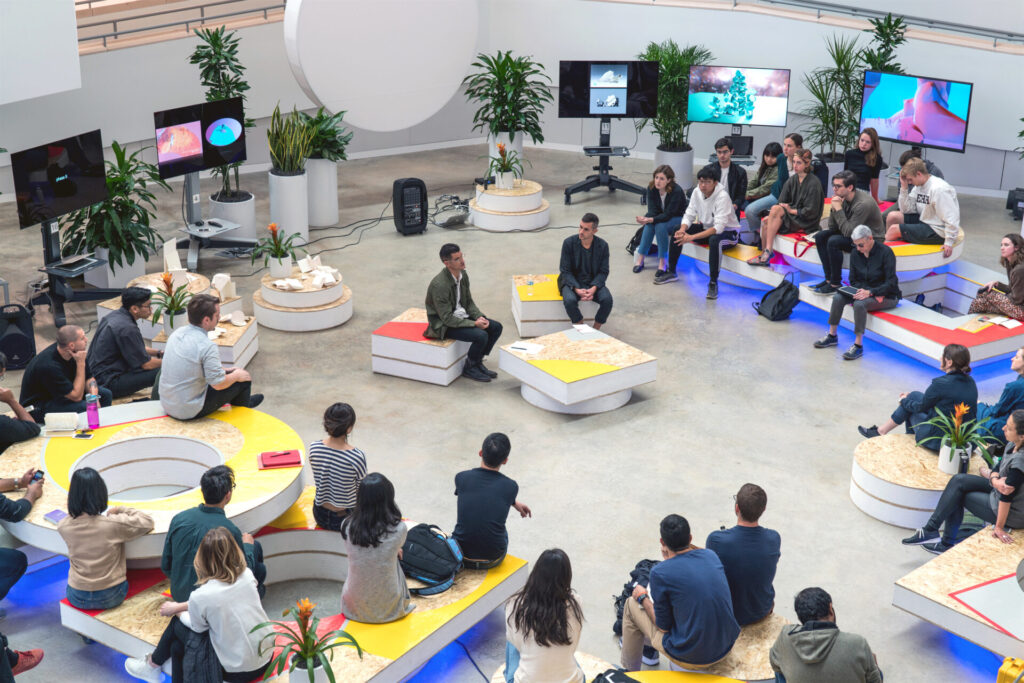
326,149
118,229
223,76
169,302
277,252
303,652
289,139
512,92
671,123
958,438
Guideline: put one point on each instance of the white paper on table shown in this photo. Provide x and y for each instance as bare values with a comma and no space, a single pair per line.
584,328
179,277
996,319
171,260
1011,323
219,280
305,264
527,347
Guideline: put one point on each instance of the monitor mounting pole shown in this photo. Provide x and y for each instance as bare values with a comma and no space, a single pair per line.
603,178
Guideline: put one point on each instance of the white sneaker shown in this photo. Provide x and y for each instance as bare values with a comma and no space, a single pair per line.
140,668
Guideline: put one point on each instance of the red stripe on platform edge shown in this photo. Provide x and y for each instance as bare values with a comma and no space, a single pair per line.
403,330
131,422
956,596
943,336
138,581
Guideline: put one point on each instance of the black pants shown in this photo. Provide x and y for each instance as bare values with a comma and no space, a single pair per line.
237,395
12,567
831,245
968,491
481,341
714,243
131,382
8,660
63,405
172,646
572,304
328,519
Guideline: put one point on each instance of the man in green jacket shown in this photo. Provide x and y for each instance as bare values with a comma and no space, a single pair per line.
451,314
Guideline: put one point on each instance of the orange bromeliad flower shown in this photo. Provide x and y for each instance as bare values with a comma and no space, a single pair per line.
305,611
501,148
958,413
273,228
168,283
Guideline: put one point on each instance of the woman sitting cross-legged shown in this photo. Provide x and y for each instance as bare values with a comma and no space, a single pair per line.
337,466
1001,298
800,206
666,203
944,393
996,496
993,416
542,625
97,578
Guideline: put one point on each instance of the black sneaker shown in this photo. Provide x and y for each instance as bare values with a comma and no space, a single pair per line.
854,352
712,294
471,371
868,432
490,373
936,548
921,537
638,268
826,341
651,657
664,277
827,288
255,400
819,284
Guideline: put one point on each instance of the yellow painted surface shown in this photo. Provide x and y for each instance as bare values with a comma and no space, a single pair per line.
741,251
573,370
300,514
542,291
916,249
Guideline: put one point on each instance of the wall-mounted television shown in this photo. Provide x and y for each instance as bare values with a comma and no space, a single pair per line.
738,95
621,89
59,177
928,112
199,136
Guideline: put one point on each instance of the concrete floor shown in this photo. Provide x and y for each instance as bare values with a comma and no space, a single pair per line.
738,399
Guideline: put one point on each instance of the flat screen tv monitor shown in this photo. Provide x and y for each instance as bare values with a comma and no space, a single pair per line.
738,95
199,136
610,88
59,177
927,112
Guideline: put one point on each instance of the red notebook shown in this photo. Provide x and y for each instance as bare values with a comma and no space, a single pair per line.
269,460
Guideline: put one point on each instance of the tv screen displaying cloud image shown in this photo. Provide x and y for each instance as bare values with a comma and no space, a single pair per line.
199,137
740,95
923,111
606,88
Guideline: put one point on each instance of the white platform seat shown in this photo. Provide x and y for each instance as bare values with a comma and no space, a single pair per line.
538,308
237,345
400,349
521,208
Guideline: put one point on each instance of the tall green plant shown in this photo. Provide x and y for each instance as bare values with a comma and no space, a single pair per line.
1021,136
329,138
289,140
834,107
674,63
888,33
512,92
119,224
222,74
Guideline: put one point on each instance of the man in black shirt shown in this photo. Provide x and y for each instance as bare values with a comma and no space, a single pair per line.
21,427
118,355
484,498
733,176
56,379
583,271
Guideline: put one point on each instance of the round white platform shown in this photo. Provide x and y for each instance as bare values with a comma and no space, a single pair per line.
601,404
304,298
508,222
525,196
303,319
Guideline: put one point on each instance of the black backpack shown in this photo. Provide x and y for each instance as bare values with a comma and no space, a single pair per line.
614,676
431,557
778,303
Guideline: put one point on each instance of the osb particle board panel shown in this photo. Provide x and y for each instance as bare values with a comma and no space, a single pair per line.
603,349
232,333
748,659
524,280
305,278
521,188
898,459
197,284
466,581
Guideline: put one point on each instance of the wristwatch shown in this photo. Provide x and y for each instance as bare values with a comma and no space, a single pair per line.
640,600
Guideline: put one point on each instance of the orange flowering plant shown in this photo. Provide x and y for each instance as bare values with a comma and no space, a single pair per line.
169,300
275,246
300,643
960,434
507,161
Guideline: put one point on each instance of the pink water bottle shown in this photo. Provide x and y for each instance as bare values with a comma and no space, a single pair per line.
92,406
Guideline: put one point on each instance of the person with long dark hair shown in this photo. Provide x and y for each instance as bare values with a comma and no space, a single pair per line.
375,591
865,160
755,208
95,536
337,466
666,203
760,184
543,622
1005,298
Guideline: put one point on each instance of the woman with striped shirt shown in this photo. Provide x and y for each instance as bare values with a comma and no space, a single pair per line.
337,468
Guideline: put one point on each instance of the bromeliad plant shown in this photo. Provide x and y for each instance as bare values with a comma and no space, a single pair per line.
507,161
958,434
301,643
289,139
275,246
170,299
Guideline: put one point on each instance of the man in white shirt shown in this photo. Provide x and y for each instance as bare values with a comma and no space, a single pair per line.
709,219
933,200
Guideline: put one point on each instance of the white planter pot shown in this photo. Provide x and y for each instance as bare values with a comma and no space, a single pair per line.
180,320
280,268
116,278
302,676
243,213
289,206
949,459
505,181
833,168
322,178
681,163
515,145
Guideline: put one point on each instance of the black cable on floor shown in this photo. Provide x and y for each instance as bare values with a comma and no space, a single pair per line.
472,661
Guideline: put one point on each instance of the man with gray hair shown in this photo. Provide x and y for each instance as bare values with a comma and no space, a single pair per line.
873,287
850,207
59,377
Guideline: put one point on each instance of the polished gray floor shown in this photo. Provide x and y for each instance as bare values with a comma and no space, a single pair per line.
738,399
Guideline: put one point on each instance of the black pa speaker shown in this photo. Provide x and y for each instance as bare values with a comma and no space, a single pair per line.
17,338
1015,202
409,196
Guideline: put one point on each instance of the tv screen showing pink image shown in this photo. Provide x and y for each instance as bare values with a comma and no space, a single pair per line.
180,141
917,110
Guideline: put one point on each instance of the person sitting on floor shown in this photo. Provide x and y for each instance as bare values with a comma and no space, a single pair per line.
709,219
800,206
1005,298
188,528
732,176
118,354
484,498
193,382
226,604
995,496
850,207
754,209
95,536
749,553
452,314
992,417
760,184
866,163
934,201
337,466
817,651
375,590
666,203
13,562
943,394
22,426
686,612
59,377
873,275
583,272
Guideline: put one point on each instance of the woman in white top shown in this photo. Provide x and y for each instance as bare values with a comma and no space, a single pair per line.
226,604
542,625
337,466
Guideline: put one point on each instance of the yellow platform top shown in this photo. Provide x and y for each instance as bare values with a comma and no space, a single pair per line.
544,288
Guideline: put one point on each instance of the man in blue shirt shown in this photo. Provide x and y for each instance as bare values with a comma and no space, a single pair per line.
749,554
687,612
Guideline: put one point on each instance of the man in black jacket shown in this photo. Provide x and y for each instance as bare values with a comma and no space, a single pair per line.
583,270
21,427
873,275
733,176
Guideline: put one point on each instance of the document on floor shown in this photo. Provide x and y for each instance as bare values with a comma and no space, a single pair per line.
1000,602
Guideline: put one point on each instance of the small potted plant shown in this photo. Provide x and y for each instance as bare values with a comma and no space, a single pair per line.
326,148
959,438
277,252
289,139
506,167
308,653
170,301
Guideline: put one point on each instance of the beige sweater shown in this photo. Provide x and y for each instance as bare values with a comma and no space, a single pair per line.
96,546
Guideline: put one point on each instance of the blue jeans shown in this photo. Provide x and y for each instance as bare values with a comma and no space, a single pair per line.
663,231
755,207
512,657
923,434
108,598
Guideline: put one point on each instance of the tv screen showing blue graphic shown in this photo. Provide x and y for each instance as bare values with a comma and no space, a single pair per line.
199,137
606,88
738,95
928,112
